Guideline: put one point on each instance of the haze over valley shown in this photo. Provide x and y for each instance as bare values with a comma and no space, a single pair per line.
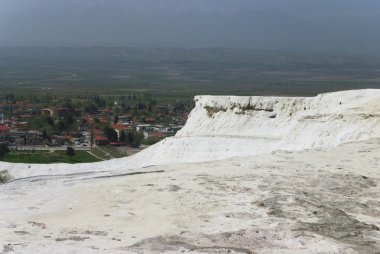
190,126
334,26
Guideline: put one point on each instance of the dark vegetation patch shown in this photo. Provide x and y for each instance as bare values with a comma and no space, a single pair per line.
250,107
211,111
48,157
5,176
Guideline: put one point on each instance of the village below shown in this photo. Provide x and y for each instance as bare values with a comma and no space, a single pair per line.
86,128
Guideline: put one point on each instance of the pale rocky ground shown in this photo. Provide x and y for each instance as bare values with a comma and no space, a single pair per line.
316,201
303,178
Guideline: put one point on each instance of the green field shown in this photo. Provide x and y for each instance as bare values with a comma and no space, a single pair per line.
106,152
46,157
169,74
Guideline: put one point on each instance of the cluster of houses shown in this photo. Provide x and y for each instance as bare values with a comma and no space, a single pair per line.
16,130
147,130
20,137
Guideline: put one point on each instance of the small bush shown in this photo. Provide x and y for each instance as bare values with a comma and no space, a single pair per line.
4,177
3,150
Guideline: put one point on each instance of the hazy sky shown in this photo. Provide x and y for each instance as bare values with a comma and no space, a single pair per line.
324,25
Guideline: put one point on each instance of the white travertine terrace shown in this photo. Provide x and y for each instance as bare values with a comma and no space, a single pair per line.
245,175
221,127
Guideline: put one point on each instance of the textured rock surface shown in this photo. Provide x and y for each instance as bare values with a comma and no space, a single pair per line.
316,201
264,175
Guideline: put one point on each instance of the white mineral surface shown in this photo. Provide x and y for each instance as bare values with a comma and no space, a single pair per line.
245,175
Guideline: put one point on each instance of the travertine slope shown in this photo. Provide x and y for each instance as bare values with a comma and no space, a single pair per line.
245,175
221,127
323,200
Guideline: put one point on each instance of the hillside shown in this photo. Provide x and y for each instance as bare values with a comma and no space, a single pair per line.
245,175
221,127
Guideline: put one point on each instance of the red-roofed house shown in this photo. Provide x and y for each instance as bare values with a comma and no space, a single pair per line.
185,115
158,134
106,110
101,141
4,132
89,120
119,128
150,120
117,143
97,132
4,128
